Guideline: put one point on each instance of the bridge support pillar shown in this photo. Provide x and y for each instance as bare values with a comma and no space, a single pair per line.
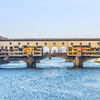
38,60
49,57
78,62
31,62
67,60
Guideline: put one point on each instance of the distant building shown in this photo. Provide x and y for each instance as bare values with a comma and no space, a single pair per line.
3,37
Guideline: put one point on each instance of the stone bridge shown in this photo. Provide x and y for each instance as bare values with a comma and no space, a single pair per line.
31,61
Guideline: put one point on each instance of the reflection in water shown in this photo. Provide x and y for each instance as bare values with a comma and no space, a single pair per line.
50,81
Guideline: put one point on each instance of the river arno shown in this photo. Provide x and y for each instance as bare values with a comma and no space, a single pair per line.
50,81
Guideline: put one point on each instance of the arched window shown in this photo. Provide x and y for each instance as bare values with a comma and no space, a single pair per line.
54,50
46,50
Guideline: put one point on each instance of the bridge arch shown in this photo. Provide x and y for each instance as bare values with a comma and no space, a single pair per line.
54,50
46,50
63,50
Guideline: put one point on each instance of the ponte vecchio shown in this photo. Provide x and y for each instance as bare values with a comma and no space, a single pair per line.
31,50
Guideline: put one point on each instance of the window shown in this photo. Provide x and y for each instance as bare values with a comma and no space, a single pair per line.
87,49
6,53
71,43
16,47
37,53
89,43
83,46
16,53
36,43
25,46
11,53
70,49
16,50
83,52
74,46
94,53
19,43
96,49
83,49
45,43
35,48
80,43
98,43
92,49
10,43
54,43
20,53
87,46
63,43
75,49
6,47
27,43
11,47
20,49
74,53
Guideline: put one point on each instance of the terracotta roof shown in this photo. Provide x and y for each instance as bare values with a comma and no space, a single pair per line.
3,37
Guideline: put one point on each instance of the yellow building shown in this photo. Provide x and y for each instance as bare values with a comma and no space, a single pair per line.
72,51
30,51
97,60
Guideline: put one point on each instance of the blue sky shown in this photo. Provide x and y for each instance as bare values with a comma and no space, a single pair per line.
50,18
